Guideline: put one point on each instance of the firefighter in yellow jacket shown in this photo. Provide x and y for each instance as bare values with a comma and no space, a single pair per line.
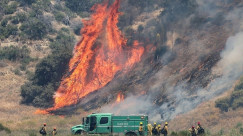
150,127
165,129
158,129
54,132
154,129
140,129
193,131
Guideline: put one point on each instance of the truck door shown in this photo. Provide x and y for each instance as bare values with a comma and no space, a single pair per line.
86,124
93,124
104,125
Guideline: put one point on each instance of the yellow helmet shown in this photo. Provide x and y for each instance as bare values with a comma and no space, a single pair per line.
166,123
154,123
141,123
159,125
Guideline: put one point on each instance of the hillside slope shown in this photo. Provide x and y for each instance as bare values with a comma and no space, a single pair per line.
191,59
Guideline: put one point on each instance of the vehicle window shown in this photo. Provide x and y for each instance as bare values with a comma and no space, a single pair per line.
104,120
92,123
87,120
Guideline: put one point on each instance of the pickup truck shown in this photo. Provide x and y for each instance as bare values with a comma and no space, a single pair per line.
107,123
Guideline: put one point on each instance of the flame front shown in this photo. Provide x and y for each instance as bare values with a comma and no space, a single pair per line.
120,97
99,55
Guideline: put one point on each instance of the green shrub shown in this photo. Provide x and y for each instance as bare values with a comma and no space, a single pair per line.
221,132
184,133
241,130
239,86
3,128
173,133
17,72
14,53
238,125
32,134
235,101
80,5
34,29
28,2
15,20
4,22
223,104
59,16
5,32
10,9
46,79
19,18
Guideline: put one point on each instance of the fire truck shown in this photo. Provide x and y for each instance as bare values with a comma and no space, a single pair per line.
107,123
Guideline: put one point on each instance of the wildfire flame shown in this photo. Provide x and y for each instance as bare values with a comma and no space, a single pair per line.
99,55
120,97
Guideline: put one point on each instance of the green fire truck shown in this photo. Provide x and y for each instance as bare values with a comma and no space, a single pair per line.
107,123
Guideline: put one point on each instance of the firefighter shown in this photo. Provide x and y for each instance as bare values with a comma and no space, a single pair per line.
150,127
193,131
165,129
43,130
200,129
140,129
154,130
54,132
158,129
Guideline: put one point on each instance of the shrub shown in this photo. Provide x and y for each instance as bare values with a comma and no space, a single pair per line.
59,16
46,79
241,131
223,104
10,9
17,72
184,133
14,53
3,128
15,20
34,29
4,22
237,103
5,32
234,101
80,5
28,2
76,27
20,17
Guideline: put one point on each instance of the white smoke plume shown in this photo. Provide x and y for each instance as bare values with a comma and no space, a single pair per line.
232,68
180,100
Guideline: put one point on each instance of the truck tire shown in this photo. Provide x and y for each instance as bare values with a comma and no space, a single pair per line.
79,132
130,134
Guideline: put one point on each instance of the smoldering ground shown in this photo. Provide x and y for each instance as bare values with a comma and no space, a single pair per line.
179,99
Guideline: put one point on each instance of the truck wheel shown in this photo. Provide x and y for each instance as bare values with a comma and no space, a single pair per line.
130,134
79,132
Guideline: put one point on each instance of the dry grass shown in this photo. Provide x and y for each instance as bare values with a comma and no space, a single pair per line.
211,118
21,118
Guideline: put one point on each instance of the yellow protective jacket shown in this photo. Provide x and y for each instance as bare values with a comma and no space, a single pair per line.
193,131
54,132
140,129
150,127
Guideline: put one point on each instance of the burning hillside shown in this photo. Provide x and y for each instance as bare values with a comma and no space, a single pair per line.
180,68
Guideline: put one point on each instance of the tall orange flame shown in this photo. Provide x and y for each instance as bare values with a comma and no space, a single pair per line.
99,55
120,97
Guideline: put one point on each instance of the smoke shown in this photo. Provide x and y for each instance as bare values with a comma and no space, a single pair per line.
181,101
